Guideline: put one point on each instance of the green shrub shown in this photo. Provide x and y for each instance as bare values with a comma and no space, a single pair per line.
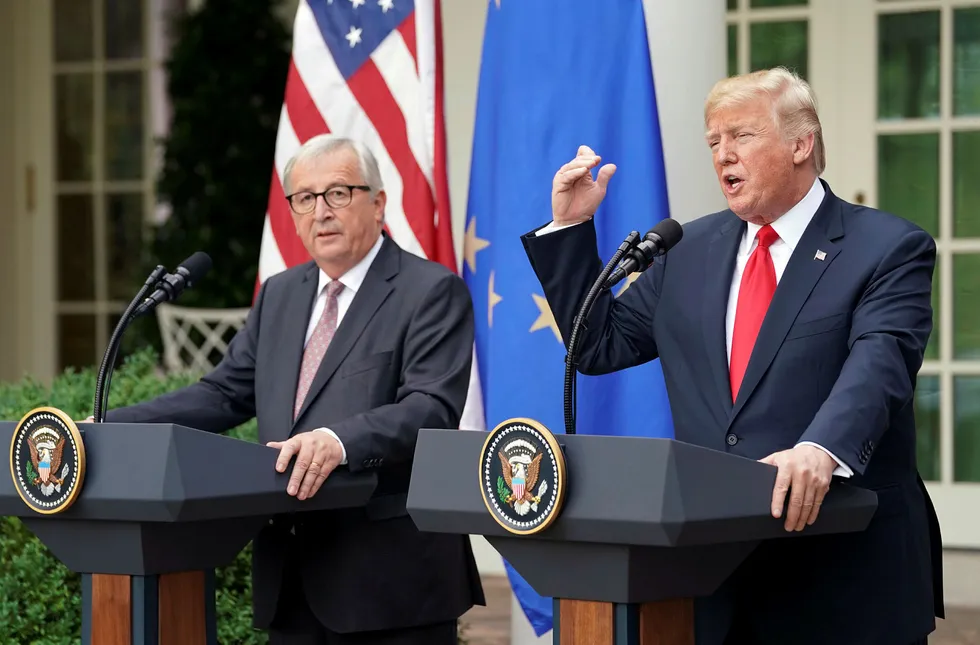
40,599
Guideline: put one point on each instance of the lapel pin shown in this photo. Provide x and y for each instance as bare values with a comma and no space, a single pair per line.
819,255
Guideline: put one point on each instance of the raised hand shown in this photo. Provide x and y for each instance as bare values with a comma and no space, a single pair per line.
575,195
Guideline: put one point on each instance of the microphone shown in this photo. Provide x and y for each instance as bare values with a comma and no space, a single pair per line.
173,284
167,286
658,240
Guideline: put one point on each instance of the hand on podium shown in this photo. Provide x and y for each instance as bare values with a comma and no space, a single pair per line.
317,455
805,471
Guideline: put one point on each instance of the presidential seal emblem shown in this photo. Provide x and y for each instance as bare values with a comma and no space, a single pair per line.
522,476
47,460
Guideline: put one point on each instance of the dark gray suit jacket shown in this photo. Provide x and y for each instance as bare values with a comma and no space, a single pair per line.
400,361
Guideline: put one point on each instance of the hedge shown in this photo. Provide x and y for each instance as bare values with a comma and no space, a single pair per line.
40,599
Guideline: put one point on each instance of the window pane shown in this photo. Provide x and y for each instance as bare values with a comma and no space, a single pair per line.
72,30
124,232
926,405
732,4
73,129
76,341
966,306
777,3
732,50
908,65
966,61
966,188
908,178
932,347
76,261
124,125
779,43
966,431
123,29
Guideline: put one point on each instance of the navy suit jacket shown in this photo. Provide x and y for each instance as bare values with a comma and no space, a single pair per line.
399,361
835,363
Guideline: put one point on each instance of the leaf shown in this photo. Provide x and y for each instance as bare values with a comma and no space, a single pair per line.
502,491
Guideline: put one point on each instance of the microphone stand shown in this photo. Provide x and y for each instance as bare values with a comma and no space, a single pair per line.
580,324
112,350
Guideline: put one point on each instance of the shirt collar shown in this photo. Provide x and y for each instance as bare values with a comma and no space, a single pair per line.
791,226
354,277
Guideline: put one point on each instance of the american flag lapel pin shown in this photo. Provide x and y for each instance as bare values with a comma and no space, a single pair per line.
819,255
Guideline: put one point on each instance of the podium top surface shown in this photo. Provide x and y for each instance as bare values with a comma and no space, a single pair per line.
171,473
625,490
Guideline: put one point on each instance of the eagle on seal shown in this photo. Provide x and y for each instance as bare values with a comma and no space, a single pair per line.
47,460
521,478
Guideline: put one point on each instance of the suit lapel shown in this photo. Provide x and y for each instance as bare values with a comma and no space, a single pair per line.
292,334
373,292
802,273
719,266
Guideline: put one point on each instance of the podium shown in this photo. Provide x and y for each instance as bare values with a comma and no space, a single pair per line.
160,506
646,526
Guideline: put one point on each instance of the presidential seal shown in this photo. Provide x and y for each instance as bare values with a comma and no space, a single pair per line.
47,460
522,476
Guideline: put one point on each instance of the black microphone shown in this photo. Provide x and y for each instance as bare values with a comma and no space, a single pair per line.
658,240
171,285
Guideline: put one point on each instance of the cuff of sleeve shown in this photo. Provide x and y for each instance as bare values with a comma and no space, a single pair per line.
343,450
552,227
842,470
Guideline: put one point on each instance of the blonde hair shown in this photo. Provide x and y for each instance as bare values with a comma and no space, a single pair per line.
793,101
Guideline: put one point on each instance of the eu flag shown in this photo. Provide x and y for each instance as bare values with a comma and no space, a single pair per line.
554,76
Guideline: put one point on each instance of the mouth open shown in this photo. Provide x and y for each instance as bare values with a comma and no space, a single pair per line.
732,183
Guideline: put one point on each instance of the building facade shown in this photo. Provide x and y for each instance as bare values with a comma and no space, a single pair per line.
82,99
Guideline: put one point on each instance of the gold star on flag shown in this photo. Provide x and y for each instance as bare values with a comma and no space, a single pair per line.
630,279
546,319
472,244
494,299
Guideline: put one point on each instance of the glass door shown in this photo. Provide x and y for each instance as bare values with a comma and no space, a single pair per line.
913,95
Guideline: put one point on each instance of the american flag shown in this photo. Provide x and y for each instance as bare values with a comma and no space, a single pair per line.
371,70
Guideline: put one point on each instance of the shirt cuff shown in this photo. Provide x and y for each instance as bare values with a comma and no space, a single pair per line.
842,469
552,227
343,450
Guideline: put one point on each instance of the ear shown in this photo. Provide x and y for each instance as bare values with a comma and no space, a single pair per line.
379,205
803,149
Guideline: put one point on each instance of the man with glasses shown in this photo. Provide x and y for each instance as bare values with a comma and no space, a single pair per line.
342,360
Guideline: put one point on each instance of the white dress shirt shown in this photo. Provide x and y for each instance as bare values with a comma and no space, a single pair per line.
352,280
790,228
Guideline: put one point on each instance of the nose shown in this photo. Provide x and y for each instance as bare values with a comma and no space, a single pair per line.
725,153
321,210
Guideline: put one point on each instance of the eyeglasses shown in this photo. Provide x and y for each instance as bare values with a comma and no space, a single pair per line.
336,197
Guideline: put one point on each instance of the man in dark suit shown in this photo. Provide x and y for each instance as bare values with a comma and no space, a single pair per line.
341,361
814,376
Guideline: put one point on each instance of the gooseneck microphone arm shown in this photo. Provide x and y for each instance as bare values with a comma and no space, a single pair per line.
112,349
166,287
580,324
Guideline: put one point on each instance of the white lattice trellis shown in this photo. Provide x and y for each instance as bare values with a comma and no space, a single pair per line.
194,339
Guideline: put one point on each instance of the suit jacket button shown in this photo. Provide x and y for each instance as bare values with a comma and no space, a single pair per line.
731,439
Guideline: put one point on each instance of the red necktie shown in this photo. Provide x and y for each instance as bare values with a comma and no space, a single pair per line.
754,294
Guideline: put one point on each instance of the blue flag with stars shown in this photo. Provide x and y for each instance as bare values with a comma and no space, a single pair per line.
554,77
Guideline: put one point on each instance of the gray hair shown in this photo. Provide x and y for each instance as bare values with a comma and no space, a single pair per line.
324,143
794,104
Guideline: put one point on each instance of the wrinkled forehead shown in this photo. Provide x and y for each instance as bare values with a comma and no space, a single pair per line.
754,113
321,170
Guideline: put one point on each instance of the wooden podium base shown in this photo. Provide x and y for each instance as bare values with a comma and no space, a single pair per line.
169,609
581,622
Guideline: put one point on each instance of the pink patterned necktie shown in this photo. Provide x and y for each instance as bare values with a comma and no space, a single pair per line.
317,346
